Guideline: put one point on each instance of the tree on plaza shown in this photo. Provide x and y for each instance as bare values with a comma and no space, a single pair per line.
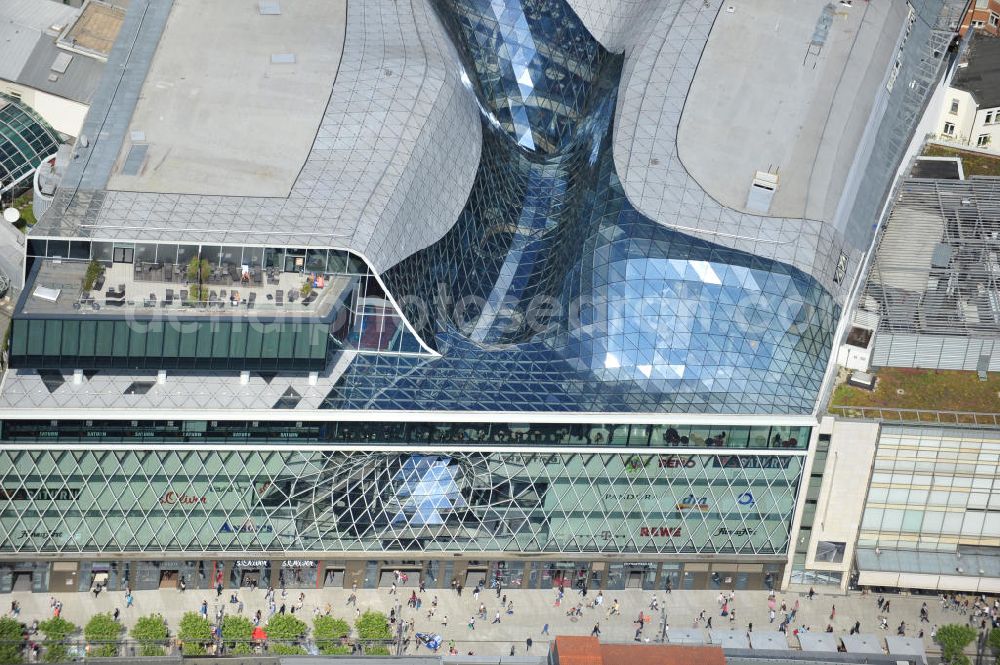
329,633
283,633
11,641
151,632
994,643
56,631
953,639
102,633
237,632
374,626
194,633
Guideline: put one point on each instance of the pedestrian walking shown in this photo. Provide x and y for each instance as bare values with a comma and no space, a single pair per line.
833,612
750,627
444,621
496,617
182,586
596,632
709,624
732,616
117,614
128,599
812,592
545,629
472,623
527,645
512,649
218,589
770,616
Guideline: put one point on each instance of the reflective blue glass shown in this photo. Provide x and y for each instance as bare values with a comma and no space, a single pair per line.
551,292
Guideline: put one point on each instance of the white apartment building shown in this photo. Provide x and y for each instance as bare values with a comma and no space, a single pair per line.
971,112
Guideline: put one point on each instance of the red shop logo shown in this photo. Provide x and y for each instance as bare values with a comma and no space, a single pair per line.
172,498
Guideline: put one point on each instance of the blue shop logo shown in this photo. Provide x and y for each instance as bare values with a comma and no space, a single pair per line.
746,499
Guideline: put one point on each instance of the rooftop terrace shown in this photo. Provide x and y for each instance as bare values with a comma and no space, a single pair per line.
165,289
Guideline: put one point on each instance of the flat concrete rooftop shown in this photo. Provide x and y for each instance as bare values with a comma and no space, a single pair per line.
787,86
216,114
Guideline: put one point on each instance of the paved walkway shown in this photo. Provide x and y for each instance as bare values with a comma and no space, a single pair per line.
532,610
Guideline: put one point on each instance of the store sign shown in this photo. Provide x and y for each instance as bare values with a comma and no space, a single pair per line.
39,493
677,462
724,462
746,499
691,503
246,527
726,531
749,462
298,564
628,496
634,464
172,498
44,535
250,563
660,531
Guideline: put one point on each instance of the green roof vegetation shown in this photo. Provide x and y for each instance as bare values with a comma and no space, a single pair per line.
934,390
973,163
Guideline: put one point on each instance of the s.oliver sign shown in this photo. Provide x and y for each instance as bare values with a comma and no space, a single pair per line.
289,563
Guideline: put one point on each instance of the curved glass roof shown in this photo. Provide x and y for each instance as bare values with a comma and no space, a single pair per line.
565,296
25,140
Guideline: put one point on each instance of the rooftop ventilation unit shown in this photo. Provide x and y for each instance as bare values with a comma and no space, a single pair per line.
762,191
61,63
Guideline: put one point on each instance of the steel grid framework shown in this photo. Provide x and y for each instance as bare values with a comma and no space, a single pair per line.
163,501
937,268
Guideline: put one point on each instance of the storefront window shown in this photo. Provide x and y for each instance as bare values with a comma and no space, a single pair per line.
250,573
509,573
24,576
298,574
615,577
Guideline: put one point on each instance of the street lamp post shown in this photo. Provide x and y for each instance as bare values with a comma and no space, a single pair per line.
399,628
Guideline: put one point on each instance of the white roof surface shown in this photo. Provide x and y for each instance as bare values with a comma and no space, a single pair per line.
224,120
22,24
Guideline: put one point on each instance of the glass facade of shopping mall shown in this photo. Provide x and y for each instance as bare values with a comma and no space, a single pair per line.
282,503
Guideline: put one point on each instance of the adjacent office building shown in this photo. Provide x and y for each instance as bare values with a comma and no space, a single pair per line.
473,289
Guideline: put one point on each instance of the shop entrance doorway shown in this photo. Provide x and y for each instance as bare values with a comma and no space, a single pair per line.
334,577
402,576
250,577
477,575
634,580
169,579
22,581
